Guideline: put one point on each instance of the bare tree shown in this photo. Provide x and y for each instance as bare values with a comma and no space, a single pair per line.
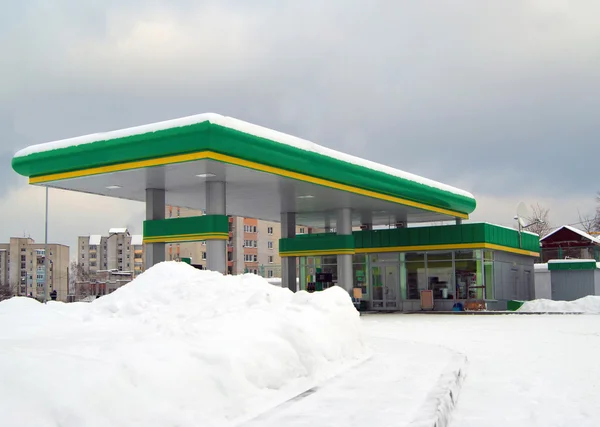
79,279
5,291
588,222
539,220
596,224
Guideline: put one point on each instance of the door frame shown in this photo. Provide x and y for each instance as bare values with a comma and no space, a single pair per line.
382,304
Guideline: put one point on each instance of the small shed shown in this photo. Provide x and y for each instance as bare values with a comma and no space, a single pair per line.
569,279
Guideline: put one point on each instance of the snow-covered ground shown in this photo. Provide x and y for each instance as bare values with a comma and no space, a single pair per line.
523,371
185,347
588,305
176,347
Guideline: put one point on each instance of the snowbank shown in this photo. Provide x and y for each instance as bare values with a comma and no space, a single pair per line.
177,346
589,305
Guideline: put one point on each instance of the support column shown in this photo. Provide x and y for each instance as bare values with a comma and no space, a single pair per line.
327,225
154,253
216,250
288,264
344,227
366,221
458,221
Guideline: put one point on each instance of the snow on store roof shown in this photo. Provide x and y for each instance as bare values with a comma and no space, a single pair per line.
247,128
575,230
95,239
570,260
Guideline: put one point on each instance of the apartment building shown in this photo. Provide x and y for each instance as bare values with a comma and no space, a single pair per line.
107,262
111,261
22,268
253,245
118,251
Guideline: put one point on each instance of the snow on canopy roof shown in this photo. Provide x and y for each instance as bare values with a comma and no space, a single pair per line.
247,128
95,239
137,239
577,231
117,231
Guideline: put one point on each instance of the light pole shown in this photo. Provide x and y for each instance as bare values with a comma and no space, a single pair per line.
46,251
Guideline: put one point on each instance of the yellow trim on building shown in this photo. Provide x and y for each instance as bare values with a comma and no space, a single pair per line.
210,155
446,247
186,238
411,249
318,253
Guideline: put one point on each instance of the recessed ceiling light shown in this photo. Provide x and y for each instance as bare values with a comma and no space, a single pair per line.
205,175
308,196
113,187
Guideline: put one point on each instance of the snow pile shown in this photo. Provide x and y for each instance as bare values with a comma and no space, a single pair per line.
589,305
177,346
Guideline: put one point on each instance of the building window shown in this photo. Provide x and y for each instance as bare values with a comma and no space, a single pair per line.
82,256
23,265
203,255
269,273
23,258
270,244
301,230
270,259
270,230
255,257
250,228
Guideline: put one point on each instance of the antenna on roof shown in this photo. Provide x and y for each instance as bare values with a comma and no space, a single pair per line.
522,217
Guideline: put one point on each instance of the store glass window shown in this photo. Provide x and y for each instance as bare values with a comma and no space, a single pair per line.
359,270
469,274
416,274
440,274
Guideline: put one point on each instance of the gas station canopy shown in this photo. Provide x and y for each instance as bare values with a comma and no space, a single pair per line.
265,172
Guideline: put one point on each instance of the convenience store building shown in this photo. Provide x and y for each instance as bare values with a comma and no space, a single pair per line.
229,167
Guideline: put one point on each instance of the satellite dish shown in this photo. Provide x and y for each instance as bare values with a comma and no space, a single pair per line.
522,214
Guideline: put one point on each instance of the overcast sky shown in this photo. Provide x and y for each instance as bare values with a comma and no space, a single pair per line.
500,97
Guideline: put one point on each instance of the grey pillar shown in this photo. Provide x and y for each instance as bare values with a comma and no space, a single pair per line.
458,221
216,250
155,209
327,225
366,220
344,227
288,263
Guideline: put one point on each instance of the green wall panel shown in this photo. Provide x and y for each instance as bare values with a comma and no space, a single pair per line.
195,225
316,242
574,265
445,235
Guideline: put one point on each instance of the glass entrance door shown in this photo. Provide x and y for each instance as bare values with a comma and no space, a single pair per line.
385,286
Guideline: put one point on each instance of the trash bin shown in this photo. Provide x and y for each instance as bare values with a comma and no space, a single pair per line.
444,293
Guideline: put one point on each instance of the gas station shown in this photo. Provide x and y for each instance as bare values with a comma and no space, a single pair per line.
371,246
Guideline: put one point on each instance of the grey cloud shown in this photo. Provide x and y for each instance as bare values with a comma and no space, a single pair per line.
500,96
